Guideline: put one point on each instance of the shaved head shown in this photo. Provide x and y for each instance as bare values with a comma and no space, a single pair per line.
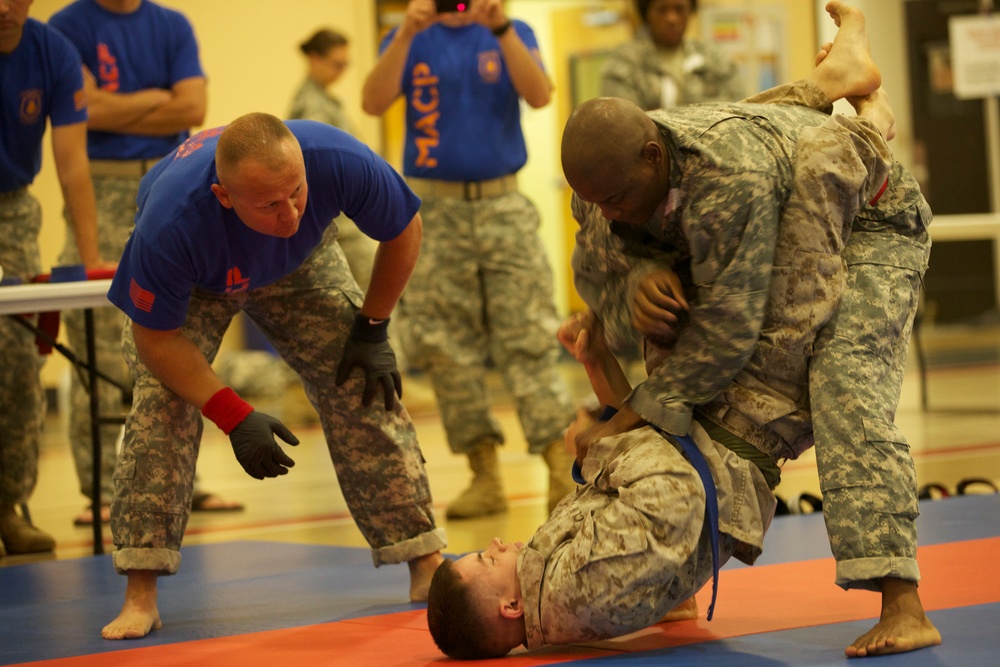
258,137
262,174
613,156
606,133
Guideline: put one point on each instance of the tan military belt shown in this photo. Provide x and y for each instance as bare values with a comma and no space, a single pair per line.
468,190
136,168
744,427
11,195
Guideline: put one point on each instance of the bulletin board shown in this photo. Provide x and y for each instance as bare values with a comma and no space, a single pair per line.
754,38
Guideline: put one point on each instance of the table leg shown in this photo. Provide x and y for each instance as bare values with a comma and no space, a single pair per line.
95,431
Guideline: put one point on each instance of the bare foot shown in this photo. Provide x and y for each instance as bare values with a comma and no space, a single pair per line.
139,615
845,67
685,611
876,108
824,51
422,569
902,627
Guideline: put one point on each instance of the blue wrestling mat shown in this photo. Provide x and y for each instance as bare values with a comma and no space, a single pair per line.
269,603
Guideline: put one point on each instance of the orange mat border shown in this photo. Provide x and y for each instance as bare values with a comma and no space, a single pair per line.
753,600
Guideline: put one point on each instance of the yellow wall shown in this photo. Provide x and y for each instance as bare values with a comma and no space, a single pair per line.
249,52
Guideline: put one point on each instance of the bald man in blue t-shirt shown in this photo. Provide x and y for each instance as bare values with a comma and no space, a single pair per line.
239,219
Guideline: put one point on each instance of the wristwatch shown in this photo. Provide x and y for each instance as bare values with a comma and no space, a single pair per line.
501,29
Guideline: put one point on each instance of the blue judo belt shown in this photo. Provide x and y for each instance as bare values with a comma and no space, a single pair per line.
697,460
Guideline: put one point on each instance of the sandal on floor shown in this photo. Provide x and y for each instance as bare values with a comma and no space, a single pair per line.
86,518
986,486
805,503
933,491
213,502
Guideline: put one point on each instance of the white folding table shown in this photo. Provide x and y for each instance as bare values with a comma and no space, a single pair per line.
16,300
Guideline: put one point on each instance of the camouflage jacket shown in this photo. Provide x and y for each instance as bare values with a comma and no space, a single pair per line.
748,226
635,71
312,102
630,545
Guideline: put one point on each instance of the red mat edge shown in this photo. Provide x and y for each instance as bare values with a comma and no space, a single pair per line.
952,577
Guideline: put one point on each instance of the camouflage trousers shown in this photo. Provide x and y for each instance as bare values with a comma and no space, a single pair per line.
22,398
482,290
116,208
866,471
307,317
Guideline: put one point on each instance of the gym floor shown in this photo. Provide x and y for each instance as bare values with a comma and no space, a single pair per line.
289,577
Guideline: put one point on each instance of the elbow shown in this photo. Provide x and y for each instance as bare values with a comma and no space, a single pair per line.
198,118
416,229
369,107
195,117
372,105
538,101
540,98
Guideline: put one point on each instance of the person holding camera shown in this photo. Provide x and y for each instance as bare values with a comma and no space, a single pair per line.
482,288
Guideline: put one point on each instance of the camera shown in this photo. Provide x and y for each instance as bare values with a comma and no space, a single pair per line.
452,5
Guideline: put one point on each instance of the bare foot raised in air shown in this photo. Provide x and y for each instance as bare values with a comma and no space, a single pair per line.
139,615
874,105
844,67
902,627
422,570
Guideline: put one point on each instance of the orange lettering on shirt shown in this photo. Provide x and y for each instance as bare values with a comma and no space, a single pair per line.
108,77
422,75
235,282
196,141
424,146
426,107
426,101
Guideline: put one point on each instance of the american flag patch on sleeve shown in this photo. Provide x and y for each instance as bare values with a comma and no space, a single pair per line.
143,299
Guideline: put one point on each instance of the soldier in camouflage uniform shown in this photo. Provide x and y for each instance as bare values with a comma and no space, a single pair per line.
327,55
842,356
483,287
41,83
146,90
660,68
228,223
614,557
771,386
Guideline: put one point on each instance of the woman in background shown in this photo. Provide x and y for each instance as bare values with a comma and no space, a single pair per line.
660,68
327,56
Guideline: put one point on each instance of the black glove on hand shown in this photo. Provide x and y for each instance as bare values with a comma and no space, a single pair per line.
255,446
368,347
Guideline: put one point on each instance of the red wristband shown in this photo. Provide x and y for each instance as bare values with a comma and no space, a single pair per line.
226,409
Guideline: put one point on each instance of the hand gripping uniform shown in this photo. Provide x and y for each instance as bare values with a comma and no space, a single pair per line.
769,360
